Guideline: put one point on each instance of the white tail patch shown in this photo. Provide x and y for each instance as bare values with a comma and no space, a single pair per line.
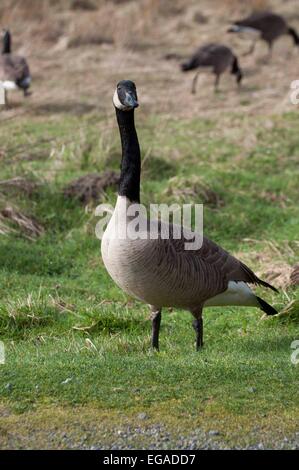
237,293
8,85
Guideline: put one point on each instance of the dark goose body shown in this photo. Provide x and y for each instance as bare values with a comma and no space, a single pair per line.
269,25
217,57
14,69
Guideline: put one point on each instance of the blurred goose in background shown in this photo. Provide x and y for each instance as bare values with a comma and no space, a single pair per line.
218,58
266,26
160,271
14,69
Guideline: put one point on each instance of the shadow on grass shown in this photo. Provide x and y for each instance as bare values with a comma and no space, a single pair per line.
75,108
157,168
262,344
111,323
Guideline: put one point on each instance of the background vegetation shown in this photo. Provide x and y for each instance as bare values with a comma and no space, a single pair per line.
79,369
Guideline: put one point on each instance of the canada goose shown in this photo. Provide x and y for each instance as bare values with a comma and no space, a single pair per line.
264,25
14,70
160,272
216,56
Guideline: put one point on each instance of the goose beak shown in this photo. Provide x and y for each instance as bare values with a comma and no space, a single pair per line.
130,101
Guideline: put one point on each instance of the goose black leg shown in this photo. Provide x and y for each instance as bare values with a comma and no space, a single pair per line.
217,79
198,327
194,83
270,51
156,321
6,99
251,49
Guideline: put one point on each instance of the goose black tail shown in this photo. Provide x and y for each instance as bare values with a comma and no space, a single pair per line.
292,32
266,284
265,307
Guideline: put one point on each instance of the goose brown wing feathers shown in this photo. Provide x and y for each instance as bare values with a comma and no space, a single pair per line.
14,68
210,267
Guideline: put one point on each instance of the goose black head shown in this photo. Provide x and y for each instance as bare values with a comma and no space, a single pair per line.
125,96
6,38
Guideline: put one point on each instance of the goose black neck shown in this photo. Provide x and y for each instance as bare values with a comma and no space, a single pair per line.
6,44
129,183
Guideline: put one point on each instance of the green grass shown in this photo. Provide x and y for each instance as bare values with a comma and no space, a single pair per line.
62,317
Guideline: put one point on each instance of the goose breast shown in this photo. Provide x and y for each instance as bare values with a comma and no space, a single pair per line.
160,271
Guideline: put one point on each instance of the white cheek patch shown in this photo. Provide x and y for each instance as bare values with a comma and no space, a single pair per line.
247,31
117,102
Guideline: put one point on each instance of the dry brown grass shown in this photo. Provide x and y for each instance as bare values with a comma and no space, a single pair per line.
18,185
192,189
122,22
294,277
12,220
91,187
272,263
86,5
247,5
83,52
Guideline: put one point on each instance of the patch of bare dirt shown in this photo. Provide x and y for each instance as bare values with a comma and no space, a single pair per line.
12,219
89,39
193,189
129,39
272,264
91,187
19,185
85,5
278,199
294,276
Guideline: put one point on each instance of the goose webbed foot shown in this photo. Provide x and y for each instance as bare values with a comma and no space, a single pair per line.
156,321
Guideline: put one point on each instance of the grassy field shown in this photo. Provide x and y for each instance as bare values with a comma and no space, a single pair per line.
74,339
79,370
